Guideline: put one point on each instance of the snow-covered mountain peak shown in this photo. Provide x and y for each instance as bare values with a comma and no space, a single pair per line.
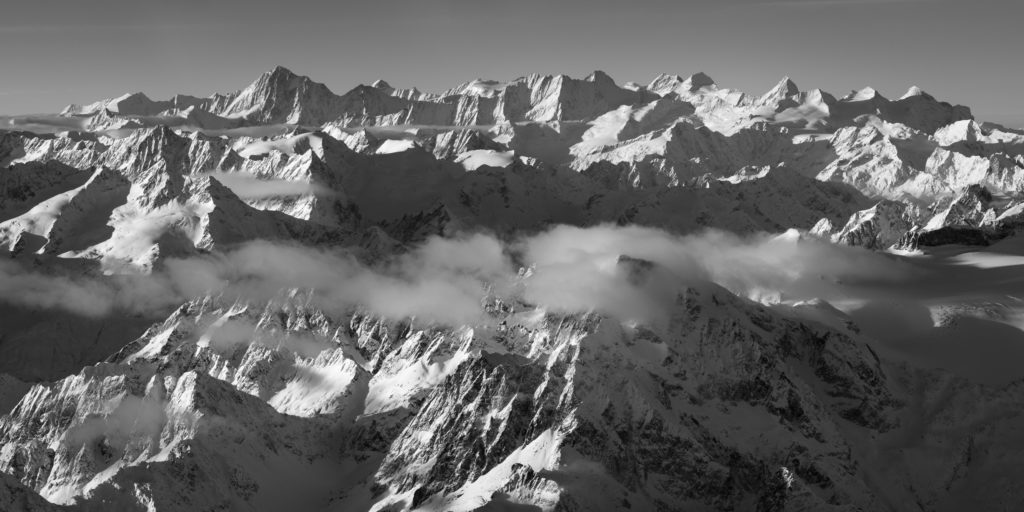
281,96
600,77
786,88
133,103
132,98
916,91
664,84
478,87
694,84
277,78
697,81
279,72
864,94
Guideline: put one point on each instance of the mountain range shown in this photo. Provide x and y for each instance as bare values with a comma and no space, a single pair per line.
548,294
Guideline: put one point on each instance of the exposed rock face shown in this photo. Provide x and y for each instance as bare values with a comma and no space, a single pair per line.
975,217
973,208
513,410
878,227
15,497
949,235
244,405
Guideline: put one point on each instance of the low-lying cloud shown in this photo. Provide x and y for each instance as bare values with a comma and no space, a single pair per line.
580,268
42,123
248,186
629,272
132,416
91,296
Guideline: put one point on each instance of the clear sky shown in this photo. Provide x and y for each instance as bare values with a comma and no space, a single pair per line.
56,52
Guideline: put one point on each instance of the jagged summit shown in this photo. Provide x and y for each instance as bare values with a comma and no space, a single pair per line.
280,72
281,96
279,76
664,83
599,76
698,81
786,88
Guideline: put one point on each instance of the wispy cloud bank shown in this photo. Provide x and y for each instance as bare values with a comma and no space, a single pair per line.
248,186
129,416
447,280
41,123
580,268
91,296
